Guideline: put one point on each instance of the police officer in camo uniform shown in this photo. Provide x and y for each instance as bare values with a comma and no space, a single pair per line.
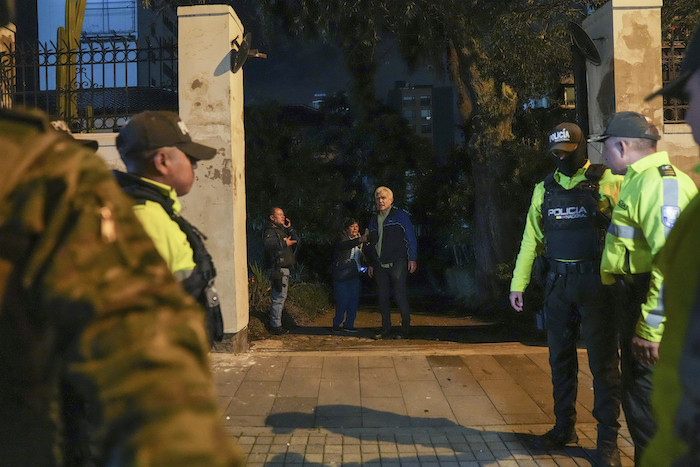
565,226
103,356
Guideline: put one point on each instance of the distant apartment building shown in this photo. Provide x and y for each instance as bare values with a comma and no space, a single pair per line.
429,111
115,27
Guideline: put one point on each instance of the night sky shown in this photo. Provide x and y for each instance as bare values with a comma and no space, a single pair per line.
295,70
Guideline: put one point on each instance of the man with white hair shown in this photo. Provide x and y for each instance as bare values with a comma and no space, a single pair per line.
393,251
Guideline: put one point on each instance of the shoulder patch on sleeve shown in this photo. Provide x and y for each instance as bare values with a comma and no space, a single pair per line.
669,214
667,170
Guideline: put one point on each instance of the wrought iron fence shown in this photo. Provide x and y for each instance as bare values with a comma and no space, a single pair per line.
672,54
95,85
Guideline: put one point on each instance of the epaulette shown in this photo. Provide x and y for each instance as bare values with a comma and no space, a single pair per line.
666,170
32,117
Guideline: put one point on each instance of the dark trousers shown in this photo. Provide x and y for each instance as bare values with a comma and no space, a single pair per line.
388,279
347,297
636,376
574,301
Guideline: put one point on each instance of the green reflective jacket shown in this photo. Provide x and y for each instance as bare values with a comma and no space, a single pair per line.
103,356
652,196
679,262
170,241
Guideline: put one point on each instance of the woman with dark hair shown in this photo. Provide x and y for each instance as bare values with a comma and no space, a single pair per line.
347,265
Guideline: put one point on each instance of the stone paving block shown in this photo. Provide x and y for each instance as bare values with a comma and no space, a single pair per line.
297,412
267,369
227,380
474,410
583,413
463,456
485,367
425,399
317,458
509,398
338,410
333,449
340,368
300,384
248,406
256,457
303,361
413,368
339,421
376,361
438,361
337,393
245,420
379,382
278,448
539,417
410,461
369,448
255,391
542,361
315,449
457,381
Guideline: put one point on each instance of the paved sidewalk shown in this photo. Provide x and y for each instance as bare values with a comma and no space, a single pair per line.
474,405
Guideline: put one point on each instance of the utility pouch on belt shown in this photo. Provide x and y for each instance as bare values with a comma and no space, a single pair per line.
541,268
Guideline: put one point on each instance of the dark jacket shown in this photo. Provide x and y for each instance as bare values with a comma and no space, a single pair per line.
345,267
277,253
398,241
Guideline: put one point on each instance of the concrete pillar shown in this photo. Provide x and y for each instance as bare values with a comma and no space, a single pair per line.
211,104
627,34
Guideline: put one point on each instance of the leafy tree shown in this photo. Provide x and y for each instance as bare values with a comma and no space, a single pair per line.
321,167
498,54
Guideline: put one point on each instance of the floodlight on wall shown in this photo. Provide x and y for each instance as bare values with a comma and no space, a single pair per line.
242,51
584,43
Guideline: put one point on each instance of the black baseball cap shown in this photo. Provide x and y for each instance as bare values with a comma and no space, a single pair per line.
565,137
628,125
689,65
156,129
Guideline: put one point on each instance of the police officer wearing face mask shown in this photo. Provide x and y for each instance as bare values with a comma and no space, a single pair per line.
564,230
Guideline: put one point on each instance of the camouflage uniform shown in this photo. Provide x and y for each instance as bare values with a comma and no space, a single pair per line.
96,337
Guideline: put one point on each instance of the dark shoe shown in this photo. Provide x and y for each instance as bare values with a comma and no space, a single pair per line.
336,329
278,331
351,330
555,438
607,456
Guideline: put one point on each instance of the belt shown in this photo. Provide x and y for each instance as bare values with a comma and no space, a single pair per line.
574,267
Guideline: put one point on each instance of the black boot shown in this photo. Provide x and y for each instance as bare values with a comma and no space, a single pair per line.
556,438
607,455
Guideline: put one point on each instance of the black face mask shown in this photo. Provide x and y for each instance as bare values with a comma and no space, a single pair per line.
572,161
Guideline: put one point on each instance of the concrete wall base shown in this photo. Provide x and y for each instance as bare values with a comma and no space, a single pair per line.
239,341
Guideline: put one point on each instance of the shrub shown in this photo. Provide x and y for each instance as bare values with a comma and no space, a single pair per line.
311,297
258,289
